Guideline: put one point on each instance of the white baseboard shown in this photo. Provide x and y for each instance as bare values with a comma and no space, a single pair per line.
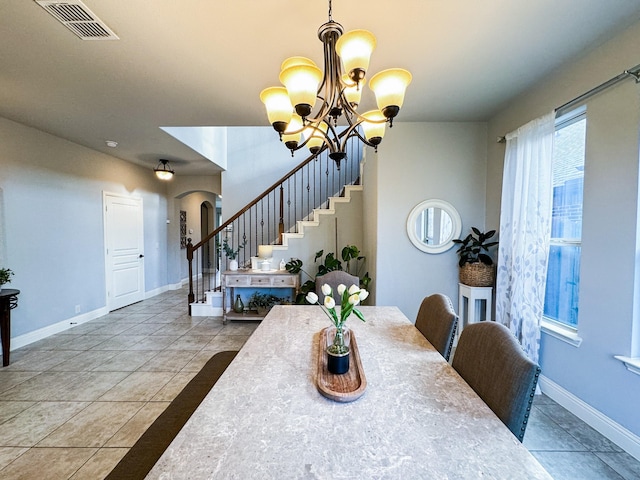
615,432
152,293
36,335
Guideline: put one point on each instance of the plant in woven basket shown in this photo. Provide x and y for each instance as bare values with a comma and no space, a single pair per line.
476,265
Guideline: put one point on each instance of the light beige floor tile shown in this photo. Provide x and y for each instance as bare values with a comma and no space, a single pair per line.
175,386
120,342
145,328
82,342
168,361
128,361
136,317
39,360
85,361
138,387
191,342
8,455
129,434
93,426
100,464
86,386
115,328
174,329
239,328
9,379
155,342
36,422
39,387
206,329
9,409
47,463
169,318
226,342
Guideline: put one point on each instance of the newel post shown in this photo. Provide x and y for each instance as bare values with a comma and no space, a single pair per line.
191,297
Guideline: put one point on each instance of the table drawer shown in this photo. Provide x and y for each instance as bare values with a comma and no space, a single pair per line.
284,282
240,280
260,281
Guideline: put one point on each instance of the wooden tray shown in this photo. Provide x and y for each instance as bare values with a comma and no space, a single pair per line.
342,388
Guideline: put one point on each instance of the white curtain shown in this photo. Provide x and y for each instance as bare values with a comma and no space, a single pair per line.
525,230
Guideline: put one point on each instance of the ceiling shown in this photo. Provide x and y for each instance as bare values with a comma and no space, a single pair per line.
203,63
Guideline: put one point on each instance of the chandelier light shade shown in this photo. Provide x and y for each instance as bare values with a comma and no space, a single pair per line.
278,105
373,126
355,49
164,170
312,101
293,133
389,87
302,86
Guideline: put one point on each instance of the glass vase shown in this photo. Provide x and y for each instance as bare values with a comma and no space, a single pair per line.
338,340
238,305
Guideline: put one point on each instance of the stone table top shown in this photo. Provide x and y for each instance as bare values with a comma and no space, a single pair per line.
265,419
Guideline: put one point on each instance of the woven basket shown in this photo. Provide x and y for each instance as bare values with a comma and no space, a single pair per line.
477,274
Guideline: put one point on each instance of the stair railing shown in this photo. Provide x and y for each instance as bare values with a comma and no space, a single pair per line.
264,220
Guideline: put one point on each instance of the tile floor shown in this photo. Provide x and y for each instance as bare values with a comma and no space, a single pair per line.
73,404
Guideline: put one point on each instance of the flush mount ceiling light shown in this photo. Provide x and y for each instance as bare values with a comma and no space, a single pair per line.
338,89
164,170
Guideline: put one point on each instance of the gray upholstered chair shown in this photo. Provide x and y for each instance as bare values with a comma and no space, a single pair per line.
437,321
335,278
492,362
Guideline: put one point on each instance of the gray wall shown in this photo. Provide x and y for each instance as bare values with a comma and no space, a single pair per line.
416,162
608,321
54,223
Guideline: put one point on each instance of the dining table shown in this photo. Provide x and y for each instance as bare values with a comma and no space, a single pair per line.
266,418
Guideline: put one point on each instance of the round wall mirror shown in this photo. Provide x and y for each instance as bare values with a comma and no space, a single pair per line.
433,225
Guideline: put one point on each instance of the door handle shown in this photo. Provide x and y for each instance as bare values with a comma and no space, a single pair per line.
141,256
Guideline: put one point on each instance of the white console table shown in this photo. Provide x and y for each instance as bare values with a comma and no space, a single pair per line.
253,279
467,310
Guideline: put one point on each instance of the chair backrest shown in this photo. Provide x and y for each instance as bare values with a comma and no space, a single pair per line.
491,361
335,278
437,320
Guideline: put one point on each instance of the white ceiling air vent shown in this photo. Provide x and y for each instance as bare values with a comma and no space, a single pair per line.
79,19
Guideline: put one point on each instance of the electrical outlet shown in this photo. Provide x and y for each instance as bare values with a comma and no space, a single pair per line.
77,308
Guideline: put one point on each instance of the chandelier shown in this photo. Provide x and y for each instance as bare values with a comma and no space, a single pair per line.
337,91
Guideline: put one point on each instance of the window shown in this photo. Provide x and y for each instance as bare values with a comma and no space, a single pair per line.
563,275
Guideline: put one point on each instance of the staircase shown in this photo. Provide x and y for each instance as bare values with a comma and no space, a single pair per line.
282,216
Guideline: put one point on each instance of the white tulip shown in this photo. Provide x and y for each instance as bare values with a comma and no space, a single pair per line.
312,298
341,289
353,289
354,299
326,289
363,295
329,302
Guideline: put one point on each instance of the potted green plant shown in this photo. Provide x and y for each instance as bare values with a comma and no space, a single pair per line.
232,254
349,253
262,302
476,265
5,276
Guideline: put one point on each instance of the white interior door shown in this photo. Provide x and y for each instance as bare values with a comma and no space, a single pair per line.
124,250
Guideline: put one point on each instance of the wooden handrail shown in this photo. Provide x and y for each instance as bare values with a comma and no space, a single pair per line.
254,201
